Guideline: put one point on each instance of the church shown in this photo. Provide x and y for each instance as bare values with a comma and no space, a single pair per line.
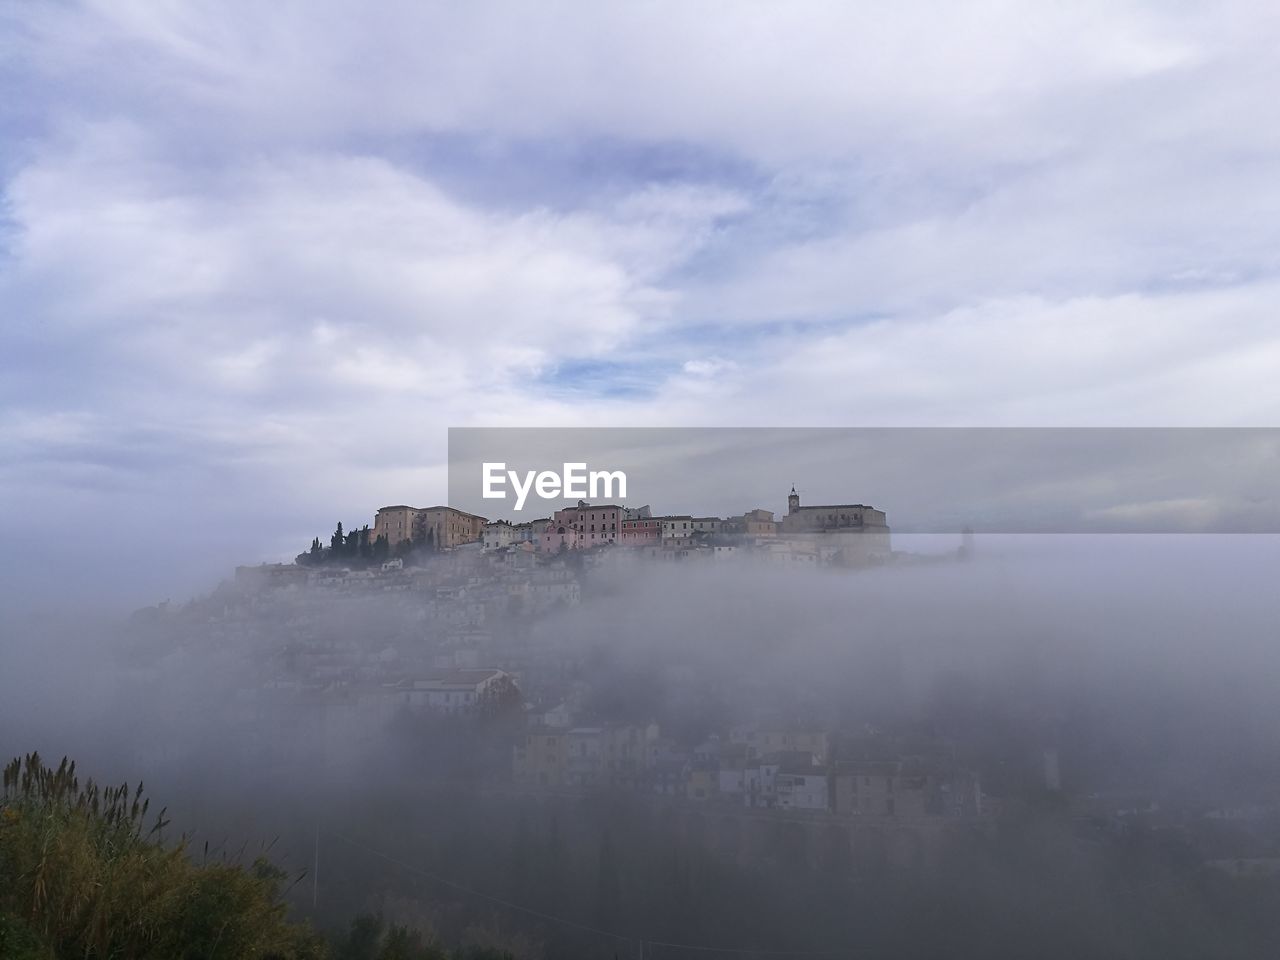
846,534
843,517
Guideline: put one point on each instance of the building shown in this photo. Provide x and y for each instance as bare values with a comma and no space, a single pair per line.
560,534
702,781
762,742
614,756
752,525
640,532
448,527
539,759
707,526
848,533
829,517
395,523
558,717
530,531
906,788
792,551
583,527
272,575
497,534
801,787
548,588
449,692
439,527
679,527
599,525
866,788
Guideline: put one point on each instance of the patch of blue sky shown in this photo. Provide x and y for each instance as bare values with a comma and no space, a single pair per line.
729,340
560,173
617,378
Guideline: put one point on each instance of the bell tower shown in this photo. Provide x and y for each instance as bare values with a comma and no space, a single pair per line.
793,501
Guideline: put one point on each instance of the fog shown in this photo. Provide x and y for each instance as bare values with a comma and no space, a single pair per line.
1112,696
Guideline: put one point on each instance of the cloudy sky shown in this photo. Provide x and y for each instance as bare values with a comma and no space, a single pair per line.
256,258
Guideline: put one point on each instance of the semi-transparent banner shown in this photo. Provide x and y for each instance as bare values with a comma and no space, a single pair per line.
923,480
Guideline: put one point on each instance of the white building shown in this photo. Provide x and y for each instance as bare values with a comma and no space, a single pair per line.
677,528
497,534
801,788
449,691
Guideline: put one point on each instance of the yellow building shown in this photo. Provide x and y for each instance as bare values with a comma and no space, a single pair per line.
831,517
759,523
395,523
448,527
762,743
441,527
703,783
540,758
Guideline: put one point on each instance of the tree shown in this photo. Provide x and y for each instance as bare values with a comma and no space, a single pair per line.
337,542
313,557
501,698
371,938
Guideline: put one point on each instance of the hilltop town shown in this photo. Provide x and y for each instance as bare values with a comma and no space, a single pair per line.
463,618
587,651
846,534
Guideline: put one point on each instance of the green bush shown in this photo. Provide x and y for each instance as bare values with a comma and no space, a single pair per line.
83,876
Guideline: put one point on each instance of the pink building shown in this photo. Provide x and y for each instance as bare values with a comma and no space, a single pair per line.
641,532
599,524
560,533
582,527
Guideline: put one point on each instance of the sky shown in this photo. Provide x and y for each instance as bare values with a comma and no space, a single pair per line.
255,259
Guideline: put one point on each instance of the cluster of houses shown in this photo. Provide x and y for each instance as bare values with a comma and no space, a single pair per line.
766,769
472,600
461,589
850,533
476,607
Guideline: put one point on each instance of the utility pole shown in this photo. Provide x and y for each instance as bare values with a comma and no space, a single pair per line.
315,870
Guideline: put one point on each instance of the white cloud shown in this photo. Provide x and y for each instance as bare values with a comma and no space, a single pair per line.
239,250
309,267
1177,359
708,367
778,81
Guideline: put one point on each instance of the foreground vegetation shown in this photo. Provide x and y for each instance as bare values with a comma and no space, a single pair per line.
85,874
